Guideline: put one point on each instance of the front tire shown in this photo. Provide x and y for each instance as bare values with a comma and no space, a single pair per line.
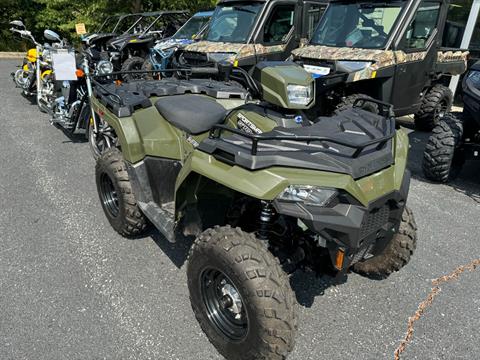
116,195
442,159
396,255
133,64
240,296
435,104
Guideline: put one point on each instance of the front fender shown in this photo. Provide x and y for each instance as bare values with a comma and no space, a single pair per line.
126,131
268,184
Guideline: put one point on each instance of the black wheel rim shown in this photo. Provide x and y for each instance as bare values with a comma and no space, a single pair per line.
109,195
224,305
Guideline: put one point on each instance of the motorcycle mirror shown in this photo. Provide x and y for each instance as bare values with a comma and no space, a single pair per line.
17,23
51,35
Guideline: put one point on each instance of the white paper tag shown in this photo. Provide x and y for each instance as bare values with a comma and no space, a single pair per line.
64,66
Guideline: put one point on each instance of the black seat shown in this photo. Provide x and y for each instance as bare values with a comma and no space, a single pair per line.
191,113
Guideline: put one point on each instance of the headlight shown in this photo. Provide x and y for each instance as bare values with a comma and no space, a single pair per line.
219,57
300,94
309,195
104,67
474,77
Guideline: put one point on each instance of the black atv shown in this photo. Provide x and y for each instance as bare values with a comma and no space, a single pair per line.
128,51
392,51
456,138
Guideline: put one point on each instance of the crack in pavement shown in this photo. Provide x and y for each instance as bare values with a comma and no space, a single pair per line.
429,301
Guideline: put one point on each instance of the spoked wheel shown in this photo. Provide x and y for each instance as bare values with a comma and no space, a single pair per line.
224,304
240,295
102,139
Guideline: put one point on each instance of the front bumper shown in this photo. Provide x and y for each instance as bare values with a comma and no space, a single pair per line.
359,232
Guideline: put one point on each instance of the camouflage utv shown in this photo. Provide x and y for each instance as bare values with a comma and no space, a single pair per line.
262,191
391,51
247,32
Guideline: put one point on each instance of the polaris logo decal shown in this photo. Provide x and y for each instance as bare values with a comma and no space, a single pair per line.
246,125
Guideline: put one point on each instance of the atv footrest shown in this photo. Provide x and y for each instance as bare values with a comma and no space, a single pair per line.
162,219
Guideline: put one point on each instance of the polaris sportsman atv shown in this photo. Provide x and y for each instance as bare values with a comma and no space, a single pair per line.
263,191
391,51
456,138
247,32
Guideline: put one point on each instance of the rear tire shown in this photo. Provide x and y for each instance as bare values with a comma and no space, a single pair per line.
227,260
396,255
132,64
116,195
349,101
442,159
436,103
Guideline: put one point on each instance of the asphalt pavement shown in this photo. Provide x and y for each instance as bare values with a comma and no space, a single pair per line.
71,288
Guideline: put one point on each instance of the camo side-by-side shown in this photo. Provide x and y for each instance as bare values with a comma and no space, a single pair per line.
379,59
238,51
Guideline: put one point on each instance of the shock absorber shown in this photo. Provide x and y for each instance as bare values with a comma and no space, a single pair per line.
266,220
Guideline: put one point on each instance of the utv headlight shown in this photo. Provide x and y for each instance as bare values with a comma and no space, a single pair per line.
309,195
104,67
300,94
219,57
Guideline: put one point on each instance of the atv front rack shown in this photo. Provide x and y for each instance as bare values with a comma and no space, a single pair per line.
216,131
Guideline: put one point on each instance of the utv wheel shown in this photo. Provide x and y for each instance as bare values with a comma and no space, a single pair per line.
116,195
436,103
134,63
240,296
349,101
397,254
443,159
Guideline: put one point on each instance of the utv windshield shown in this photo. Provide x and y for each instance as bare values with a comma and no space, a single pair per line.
233,23
192,27
358,25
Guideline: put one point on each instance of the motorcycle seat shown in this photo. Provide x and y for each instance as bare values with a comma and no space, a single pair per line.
193,114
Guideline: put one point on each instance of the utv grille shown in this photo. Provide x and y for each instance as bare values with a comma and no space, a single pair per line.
374,221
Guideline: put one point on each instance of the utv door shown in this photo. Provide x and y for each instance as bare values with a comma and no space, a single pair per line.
416,56
278,33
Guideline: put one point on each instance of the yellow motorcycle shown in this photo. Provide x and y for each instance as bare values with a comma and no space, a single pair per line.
25,77
36,77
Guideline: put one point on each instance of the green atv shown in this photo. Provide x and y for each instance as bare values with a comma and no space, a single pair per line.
263,191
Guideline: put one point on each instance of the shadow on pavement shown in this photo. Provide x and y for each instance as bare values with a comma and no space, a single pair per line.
309,285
